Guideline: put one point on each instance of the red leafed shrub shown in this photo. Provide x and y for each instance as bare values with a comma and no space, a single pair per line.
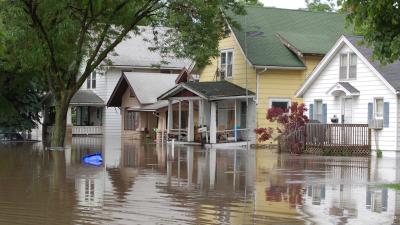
289,120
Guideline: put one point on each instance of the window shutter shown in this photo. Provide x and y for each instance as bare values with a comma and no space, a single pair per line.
386,114
311,112
324,113
370,111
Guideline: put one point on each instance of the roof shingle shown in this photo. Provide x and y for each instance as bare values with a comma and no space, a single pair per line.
309,32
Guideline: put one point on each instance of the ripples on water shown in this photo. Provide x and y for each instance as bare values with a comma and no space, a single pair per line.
149,184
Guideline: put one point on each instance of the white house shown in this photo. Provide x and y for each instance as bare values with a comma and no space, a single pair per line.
348,85
88,113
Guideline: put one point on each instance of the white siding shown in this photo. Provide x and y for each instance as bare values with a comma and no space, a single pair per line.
369,85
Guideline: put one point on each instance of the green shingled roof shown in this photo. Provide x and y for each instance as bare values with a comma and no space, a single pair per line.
309,32
212,89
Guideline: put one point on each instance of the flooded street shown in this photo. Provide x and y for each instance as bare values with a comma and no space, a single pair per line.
143,183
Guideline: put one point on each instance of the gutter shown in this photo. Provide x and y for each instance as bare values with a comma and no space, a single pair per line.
258,83
281,67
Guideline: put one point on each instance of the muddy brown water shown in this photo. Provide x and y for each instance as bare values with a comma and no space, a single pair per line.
143,183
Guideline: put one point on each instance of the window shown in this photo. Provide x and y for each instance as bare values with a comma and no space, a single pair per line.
348,66
130,120
91,81
378,108
226,63
318,110
279,103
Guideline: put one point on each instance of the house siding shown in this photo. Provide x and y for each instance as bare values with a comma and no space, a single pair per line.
370,86
272,83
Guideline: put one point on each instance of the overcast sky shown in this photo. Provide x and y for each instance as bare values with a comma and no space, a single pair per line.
288,4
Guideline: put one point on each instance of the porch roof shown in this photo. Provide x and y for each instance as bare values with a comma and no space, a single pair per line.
211,90
345,87
151,107
86,97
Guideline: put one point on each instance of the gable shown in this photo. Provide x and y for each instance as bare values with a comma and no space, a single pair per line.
330,64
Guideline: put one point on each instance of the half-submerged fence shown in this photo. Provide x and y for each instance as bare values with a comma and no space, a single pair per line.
328,139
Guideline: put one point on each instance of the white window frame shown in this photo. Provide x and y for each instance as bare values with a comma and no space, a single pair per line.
226,51
348,54
288,100
375,108
89,80
315,115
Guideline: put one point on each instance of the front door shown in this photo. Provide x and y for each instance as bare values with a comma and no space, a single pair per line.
347,109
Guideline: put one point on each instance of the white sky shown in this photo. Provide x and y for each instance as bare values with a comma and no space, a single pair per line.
288,4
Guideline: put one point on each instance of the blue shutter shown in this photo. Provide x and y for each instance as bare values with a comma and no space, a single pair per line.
370,111
311,112
324,113
386,114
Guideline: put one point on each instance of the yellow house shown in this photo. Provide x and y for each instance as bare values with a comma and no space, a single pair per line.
272,52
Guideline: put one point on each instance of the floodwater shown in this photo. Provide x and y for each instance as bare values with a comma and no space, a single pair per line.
152,184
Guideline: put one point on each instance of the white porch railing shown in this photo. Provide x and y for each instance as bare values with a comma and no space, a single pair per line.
81,130
86,130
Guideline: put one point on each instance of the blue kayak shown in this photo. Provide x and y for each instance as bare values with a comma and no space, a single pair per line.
93,159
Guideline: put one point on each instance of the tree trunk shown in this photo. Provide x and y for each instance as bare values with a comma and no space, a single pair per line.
58,136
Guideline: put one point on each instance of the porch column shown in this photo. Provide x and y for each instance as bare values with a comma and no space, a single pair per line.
213,123
201,113
235,121
170,117
68,132
180,120
190,130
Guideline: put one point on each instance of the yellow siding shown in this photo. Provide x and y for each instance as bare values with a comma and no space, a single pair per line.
239,66
272,83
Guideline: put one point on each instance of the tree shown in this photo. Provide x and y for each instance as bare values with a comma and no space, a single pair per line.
320,6
289,120
20,93
67,39
251,2
378,22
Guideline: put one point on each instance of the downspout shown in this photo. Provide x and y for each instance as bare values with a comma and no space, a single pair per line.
258,83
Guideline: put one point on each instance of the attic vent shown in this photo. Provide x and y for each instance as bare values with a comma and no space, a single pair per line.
255,33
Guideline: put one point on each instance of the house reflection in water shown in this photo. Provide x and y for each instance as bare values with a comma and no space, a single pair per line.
149,183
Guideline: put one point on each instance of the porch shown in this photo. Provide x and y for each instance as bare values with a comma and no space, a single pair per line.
210,113
328,139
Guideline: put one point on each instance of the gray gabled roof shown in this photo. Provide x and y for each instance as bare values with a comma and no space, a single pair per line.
148,86
390,72
86,97
349,87
134,51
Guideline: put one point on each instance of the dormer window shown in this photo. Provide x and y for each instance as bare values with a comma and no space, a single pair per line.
226,63
348,66
91,81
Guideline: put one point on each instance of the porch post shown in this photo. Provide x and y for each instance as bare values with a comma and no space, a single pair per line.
170,118
201,112
190,130
180,120
235,121
213,123
68,132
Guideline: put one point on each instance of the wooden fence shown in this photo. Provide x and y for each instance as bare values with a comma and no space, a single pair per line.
328,139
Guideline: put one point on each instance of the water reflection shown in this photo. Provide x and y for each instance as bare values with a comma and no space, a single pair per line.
154,184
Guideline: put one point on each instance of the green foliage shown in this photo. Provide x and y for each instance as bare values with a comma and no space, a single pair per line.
251,2
320,6
378,22
379,153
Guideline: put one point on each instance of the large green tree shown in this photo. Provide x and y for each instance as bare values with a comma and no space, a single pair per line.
67,39
379,23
